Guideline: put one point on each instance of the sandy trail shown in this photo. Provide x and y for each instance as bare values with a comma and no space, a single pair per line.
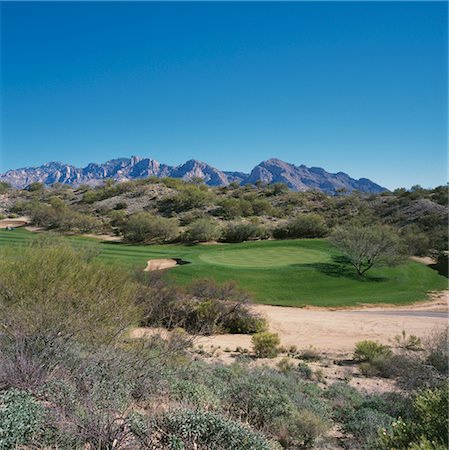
336,332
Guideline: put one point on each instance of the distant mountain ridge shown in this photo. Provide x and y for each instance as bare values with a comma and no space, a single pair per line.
297,178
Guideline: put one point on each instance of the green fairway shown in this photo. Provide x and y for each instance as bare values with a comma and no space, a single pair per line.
290,273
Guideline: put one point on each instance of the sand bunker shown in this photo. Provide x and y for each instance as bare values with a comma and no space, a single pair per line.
160,264
12,223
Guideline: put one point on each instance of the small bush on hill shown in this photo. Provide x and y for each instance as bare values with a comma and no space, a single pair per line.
241,232
146,228
304,226
266,345
202,230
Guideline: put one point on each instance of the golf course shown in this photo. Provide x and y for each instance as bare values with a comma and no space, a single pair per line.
286,272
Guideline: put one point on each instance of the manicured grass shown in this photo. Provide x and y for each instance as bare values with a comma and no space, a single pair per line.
290,273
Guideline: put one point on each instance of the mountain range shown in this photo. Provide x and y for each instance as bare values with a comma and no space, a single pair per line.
297,178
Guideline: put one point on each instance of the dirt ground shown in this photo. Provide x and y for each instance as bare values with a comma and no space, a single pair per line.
336,332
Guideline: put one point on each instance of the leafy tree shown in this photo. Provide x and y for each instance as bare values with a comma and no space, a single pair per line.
369,246
202,230
146,228
307,226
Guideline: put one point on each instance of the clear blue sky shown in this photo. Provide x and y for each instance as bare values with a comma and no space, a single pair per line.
359,87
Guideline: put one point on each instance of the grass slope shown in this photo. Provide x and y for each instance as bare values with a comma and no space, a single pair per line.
290,273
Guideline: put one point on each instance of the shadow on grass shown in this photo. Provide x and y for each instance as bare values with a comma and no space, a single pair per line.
441,267
341,268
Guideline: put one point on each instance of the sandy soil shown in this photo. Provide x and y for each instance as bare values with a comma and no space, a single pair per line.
160,264
336,332
14,223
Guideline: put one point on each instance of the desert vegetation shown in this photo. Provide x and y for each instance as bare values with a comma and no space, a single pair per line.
71,376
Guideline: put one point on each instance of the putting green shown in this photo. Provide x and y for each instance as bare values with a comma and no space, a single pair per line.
264,257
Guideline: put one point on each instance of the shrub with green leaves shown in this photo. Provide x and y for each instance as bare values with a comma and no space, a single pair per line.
368,351
21,418
241,232
428,426
266,344
202,230
199,429
147,228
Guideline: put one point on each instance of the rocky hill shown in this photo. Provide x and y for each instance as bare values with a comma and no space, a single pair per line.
297,178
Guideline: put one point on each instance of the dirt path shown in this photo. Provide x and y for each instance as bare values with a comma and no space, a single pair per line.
336,332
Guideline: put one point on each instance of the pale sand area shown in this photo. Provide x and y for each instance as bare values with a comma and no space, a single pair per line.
160,264
13,223
339,330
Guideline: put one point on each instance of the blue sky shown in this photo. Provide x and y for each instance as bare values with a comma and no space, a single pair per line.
359,87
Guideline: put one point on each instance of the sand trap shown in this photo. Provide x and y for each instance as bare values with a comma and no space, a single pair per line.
336,332
160,264
12,223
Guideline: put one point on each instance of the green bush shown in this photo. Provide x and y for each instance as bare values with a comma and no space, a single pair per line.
202,230
368,351
241,232
428,426
265,344
306,226
301,430
21,418
208,431
364,425
146,228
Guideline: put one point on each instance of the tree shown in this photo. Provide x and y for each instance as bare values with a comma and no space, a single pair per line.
202,230
146,228
369,246
307,226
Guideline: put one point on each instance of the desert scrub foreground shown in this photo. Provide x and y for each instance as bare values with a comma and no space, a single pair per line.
70,378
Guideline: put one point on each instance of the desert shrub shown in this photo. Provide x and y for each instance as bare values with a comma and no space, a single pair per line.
393,404
202,230
48,288
344,399
188,197
437,353
254,399
374,358
208,431
146,228
21,418
261,207
364,425
204,307
232,208
305,371
310,354
241,232
194,393
117,218
301,430
4,187
306,226
265,344
428,426
35,187
368,351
